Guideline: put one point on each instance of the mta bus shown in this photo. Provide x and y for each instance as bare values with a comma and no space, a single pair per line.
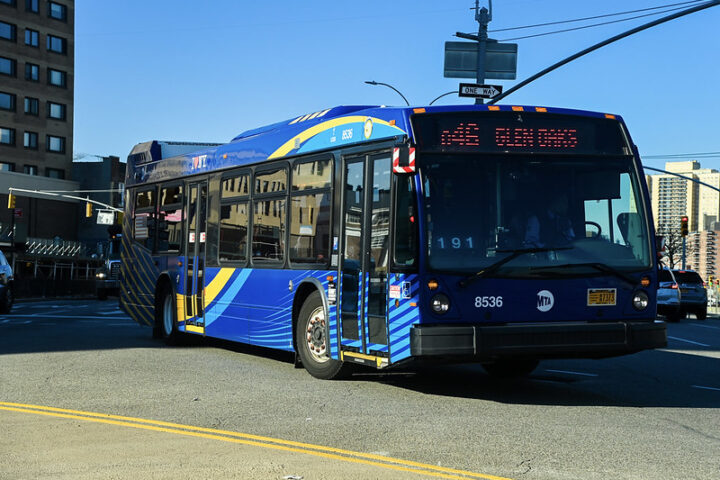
381,235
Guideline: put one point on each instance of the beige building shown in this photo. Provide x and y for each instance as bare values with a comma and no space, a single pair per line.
704,247
674,197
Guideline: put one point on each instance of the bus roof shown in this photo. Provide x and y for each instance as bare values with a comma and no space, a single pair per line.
312,132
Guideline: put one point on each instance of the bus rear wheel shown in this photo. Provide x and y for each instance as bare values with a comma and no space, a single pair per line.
313,342
165,322
510,368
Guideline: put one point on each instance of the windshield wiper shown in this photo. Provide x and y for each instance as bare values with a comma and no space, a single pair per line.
601,267
494,267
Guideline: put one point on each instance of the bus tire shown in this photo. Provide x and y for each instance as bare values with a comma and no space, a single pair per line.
312,341
165,318
510,368
7,299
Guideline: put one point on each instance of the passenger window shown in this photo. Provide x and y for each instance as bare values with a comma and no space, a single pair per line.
144,226
170,219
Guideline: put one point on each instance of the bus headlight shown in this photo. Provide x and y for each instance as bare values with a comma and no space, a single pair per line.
440,303
640,300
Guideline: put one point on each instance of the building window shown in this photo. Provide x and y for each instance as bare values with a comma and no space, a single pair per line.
7,136
57,11
32,72
7,167
56,110
57,78
7,66
8,31
30,140
55,173
55,144
32,37
32,6
30,170
56,44
7,101
32,106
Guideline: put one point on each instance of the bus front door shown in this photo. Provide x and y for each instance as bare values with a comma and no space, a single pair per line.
364,266
195,257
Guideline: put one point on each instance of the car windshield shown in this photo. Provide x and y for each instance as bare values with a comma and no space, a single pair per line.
573,213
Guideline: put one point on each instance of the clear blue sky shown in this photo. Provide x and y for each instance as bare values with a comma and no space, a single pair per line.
205,71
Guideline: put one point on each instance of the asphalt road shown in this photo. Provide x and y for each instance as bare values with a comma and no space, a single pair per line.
86,393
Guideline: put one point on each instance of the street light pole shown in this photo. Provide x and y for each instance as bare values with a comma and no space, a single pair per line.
373,82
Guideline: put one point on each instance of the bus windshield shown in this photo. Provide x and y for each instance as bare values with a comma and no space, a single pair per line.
529,215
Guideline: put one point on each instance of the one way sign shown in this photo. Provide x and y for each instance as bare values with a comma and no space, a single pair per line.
479,91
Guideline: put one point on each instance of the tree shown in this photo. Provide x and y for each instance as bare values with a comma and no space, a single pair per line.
672,255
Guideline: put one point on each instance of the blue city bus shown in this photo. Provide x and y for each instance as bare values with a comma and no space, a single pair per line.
501,235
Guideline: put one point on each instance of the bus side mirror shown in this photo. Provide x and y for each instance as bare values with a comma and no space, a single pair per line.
403,160
660,245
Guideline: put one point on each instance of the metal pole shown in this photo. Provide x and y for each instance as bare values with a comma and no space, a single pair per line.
483,19
683,252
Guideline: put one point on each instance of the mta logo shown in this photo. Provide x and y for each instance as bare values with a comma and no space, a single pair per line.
545,300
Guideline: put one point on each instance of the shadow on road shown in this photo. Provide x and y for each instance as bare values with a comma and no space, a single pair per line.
684,376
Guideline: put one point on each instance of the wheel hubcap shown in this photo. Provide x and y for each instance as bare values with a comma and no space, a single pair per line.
167,315
315,336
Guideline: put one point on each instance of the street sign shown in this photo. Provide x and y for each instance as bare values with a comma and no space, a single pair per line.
500,60
105,217
479,91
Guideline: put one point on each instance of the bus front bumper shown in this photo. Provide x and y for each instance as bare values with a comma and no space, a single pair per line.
546,340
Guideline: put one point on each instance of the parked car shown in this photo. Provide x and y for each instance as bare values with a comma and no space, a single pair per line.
693,296
668,296
6,285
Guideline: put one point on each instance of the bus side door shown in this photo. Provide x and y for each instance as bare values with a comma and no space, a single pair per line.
195,257
365,254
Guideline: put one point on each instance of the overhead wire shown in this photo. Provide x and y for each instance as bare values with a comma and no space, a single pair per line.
591,26
594,17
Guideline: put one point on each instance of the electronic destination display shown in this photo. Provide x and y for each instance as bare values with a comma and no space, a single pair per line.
527,132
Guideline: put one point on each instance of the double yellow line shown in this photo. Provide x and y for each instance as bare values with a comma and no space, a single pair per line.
253,440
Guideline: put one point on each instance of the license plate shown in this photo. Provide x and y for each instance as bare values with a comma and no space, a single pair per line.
598,297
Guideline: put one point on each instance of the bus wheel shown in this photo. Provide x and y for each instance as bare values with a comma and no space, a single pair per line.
7,299
165,324
510,368
312,341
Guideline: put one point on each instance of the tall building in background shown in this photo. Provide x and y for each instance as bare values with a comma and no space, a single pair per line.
674,197
37,66
37,69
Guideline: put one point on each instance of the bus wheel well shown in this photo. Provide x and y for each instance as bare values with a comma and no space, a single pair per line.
163,284
303,292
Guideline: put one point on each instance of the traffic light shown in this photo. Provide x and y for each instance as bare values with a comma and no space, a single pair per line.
11,201
684,226
88,209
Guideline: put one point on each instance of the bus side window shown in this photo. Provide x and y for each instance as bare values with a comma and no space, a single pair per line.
144,219
405,222
170,219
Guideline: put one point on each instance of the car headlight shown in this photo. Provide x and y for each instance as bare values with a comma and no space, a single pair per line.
100,275
440,303
640,300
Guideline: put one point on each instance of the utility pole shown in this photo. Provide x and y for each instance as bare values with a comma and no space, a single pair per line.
483,17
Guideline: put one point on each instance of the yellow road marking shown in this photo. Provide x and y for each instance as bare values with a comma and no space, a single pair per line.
252,440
